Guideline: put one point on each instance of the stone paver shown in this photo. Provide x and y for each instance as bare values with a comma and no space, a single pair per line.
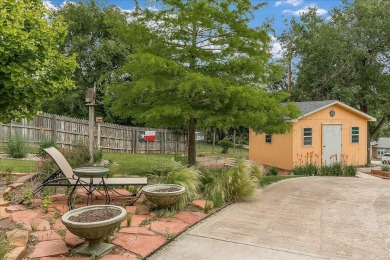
18,237
46,235
72,240
202,204
302,218
3,202
142,245
190,217
16,253
137,231
49,248
168,226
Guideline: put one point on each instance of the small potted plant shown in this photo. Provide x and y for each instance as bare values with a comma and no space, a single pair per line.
94,223
163,195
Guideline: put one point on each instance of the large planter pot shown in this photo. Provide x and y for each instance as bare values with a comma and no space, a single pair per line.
93,232
163,195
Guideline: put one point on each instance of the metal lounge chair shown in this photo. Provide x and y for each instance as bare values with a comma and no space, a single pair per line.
64,177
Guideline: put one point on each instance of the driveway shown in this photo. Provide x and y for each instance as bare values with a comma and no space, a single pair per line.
302,218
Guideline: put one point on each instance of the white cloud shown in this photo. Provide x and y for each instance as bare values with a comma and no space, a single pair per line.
277,50
306,9
49,5
288,2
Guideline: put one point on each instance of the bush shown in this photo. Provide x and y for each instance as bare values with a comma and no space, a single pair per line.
385,167
225,144
350,170
272,171
17,146
234,184
186,177
97,155
308,170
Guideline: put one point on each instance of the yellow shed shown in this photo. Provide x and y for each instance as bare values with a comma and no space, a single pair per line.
326,132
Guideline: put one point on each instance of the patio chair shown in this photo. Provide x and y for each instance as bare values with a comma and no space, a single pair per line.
64,177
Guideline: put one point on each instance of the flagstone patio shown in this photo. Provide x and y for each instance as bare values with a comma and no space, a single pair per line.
39,234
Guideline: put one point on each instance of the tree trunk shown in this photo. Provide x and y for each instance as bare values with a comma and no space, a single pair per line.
191,142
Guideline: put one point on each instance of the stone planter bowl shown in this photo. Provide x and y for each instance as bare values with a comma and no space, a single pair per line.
163,199
93,232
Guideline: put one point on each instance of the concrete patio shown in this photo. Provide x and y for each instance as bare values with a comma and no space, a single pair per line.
302,218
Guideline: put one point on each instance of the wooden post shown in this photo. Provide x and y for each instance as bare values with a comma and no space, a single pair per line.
54,128
90,100
126,138
98,135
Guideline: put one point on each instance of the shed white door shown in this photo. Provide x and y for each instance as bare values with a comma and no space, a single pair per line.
331,144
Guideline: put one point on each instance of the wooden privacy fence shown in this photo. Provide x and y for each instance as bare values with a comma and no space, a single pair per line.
67,131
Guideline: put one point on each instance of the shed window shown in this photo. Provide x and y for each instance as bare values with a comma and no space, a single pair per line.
355,135
268,138
307,136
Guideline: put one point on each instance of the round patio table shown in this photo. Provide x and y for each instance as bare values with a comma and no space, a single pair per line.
83,173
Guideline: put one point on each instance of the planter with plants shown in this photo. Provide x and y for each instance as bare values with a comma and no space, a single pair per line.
94,223
163,195
384,172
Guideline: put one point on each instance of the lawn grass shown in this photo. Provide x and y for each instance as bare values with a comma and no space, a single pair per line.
206,149
122,164
15,165
267,180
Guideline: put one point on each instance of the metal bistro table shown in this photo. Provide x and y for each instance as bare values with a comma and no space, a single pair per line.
92,173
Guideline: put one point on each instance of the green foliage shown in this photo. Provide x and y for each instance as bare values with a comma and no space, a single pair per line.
350,171
308,170
5,247
46,203
186,177
181,159
97,155
331,170
17,146
231,184
225,144
27,197
147,221
385,167
272,171
197,78
46,144
352,66
336,169
31,67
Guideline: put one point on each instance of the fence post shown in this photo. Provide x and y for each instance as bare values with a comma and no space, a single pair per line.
98,135
126,138
1,133
135,140
54,128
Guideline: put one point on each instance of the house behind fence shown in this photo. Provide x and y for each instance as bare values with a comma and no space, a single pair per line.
66,131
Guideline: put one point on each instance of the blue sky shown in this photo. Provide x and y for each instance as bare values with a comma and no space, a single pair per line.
278,10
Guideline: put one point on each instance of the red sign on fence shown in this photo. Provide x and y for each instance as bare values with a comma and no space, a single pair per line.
150,136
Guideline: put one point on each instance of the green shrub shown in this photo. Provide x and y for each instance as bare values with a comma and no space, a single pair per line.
385,167
97,155
46,144
186,177
308,170
182,159
331,170
350,170
233,184
272,171
225,144
17,146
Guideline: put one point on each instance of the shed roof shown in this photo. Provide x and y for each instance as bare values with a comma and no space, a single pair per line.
383,142
310,107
